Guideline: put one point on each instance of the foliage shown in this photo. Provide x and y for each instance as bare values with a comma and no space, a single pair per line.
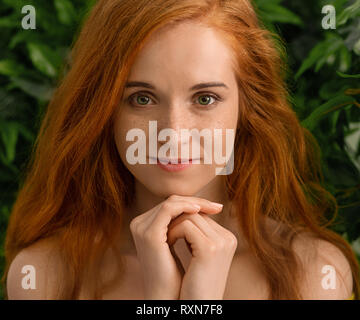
326,88
324,82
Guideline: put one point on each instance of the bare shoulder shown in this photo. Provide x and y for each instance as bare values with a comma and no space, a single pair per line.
327,272
34,272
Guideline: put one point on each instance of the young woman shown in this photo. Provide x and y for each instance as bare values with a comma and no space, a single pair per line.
94,224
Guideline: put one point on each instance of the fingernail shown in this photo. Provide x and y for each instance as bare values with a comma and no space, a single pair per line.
217,205
197,206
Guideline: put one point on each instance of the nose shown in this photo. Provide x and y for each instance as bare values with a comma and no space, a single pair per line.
175,118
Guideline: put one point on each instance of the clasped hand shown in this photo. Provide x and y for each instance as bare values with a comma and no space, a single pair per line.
212,248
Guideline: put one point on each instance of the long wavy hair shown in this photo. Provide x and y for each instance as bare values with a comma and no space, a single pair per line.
76,186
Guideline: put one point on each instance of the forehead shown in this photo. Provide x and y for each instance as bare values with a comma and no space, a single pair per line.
186,50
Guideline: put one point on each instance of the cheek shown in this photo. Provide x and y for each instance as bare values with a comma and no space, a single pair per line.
122,126
120,131
226,116
225,138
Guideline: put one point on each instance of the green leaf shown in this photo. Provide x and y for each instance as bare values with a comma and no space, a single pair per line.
315,54
11,68
343,75
276,13
16,4
37,90
65,11
320,53
356,48
345,59
261,3
349,12
44,58
27,134
343,171
24,36
333,119
20,128
9,22
311,121
9,135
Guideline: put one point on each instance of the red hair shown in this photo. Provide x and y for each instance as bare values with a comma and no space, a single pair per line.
76,185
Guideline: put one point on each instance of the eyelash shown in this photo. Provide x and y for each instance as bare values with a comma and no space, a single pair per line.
200,94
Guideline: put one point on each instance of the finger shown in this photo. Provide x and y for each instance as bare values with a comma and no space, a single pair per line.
189,231
170,210
167,212
199,221
207,206
219,229
142,218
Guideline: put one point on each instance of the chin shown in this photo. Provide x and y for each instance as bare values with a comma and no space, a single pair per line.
165,189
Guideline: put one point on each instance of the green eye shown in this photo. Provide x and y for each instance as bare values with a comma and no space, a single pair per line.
204,100
142,100
139,99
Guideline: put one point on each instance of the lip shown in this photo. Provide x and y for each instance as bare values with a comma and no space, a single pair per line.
173,167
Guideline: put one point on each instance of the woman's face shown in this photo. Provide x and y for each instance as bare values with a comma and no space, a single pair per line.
173,62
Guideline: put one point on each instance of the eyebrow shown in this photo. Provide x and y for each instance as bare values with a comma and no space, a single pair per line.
198,86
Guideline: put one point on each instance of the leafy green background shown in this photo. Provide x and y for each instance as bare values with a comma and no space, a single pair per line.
324,81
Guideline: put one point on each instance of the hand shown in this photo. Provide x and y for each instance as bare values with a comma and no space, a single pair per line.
212,248
161,275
